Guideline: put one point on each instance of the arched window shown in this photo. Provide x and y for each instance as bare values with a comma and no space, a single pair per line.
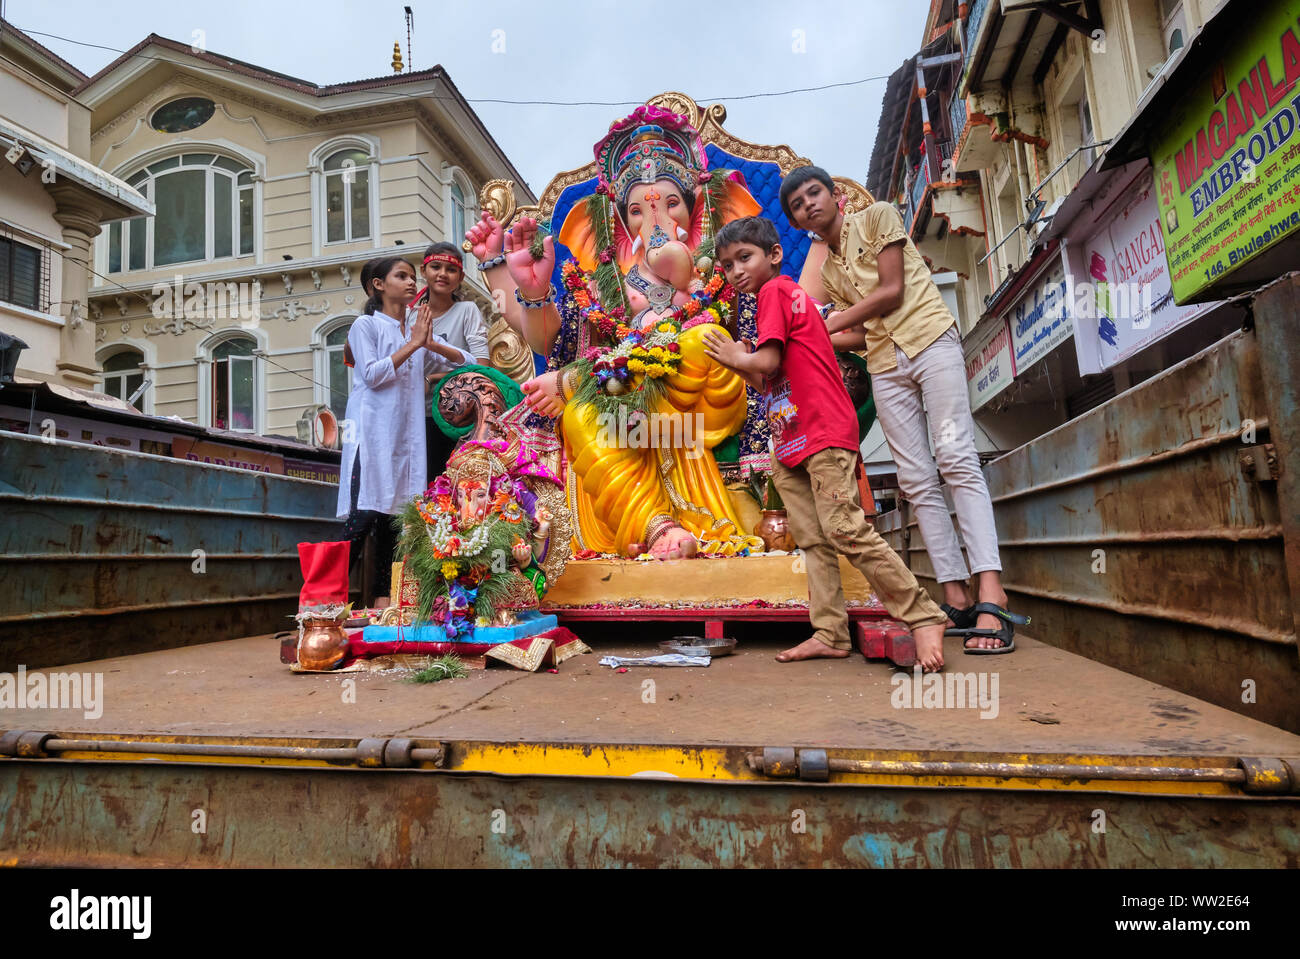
338,375
347,196
204,212
458,225
459,211
1174,19
234,385
122,374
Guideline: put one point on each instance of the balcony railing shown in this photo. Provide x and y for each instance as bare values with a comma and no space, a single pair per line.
973,23
957,112
957,116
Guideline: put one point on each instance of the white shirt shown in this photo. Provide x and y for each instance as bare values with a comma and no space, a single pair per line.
385,416
463,327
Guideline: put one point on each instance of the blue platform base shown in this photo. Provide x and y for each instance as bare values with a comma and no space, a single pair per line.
530,624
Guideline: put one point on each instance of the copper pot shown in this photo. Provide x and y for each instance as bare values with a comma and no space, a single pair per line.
322,644
774,530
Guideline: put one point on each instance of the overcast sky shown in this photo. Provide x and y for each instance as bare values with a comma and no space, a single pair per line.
585,50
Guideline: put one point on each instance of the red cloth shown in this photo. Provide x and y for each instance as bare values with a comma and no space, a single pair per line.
865,496
809,409
324,573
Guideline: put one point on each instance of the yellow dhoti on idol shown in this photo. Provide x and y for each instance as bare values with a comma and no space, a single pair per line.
621,492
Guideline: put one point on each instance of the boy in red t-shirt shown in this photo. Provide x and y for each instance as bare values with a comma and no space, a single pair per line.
815,447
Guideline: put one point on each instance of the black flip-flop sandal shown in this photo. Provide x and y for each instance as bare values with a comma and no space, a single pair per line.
1006,632
961,618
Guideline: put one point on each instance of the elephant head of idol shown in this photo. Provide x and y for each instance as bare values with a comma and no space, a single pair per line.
661,197
474,476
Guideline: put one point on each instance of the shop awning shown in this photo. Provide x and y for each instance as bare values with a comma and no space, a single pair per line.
1081,203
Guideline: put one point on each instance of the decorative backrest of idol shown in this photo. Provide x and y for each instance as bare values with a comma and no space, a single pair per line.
640,404
478,541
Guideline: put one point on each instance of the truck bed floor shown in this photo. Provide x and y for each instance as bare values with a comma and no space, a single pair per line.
1049,701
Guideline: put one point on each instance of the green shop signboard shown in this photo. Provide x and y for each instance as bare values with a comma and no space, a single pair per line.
1227,161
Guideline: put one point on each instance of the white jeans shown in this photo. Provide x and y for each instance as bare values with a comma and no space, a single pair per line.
937,376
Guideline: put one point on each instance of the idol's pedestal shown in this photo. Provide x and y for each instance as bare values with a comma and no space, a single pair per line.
764,588
397,623
529,623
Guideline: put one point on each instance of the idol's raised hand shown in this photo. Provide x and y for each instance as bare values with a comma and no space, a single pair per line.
532,277
487,237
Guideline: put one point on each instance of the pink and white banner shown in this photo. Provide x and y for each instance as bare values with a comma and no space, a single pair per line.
1121,296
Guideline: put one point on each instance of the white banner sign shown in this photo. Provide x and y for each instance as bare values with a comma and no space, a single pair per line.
1121,299
1039,321
989,368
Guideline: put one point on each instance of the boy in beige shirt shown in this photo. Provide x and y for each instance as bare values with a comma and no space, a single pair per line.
885,300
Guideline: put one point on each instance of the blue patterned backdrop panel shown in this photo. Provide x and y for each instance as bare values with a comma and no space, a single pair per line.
764,182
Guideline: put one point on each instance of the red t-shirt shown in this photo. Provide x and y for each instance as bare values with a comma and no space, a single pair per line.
808,408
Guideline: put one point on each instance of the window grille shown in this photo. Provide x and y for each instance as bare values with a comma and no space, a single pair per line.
24,272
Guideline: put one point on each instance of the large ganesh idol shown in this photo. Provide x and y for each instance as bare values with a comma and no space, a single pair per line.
639,403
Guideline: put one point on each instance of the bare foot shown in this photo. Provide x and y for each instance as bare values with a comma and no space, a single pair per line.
812,648
929,647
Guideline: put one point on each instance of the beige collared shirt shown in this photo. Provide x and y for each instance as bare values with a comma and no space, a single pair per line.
853,273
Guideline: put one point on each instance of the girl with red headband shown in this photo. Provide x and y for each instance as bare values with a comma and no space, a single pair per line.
455,320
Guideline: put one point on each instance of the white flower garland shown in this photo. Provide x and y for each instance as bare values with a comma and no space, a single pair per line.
441,533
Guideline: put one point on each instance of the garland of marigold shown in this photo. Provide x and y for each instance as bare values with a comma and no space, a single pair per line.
639,361
609,280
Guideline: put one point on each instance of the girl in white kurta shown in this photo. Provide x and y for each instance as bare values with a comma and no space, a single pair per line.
383,466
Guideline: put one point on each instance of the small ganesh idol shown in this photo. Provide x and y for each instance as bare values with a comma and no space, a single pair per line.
481,406
640,290
477,542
